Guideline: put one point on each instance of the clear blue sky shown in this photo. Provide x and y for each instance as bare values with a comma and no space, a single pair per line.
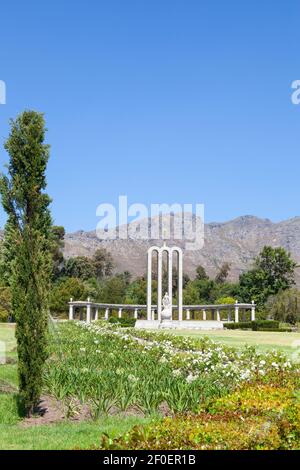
163,100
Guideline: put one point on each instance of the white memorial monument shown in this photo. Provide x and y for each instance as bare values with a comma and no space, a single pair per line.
161,313
165,316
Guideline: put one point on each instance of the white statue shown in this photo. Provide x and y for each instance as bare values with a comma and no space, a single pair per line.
166,314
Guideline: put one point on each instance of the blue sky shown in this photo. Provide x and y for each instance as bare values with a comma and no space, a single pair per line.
182,101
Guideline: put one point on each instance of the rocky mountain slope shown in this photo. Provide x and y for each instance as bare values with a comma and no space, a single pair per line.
237,241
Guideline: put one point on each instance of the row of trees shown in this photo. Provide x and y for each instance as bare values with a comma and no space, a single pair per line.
80,277
272,273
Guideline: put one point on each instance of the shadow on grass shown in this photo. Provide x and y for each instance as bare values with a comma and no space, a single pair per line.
20,405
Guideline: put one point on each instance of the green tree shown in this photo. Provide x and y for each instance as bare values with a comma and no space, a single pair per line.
57,237
113,289
284,306
201,273
136,292
81,267
61,293
27,247
273,271
222,274
103,263
199,292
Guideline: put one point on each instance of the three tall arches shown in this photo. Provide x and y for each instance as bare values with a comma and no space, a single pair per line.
170,252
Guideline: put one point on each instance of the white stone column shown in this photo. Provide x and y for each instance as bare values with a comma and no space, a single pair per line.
218,315
253,311
170,275
229,315
120,313
71,310
149,284
236,312
88,311
135,313
159,285
106,315
188,314
180,273
153,314
204,314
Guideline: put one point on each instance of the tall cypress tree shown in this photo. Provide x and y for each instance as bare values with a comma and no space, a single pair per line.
27,247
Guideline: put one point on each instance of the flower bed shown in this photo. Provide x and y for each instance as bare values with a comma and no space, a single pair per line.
255,417
110,368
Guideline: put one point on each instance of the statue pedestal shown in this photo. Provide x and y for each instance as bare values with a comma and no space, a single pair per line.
168,324
166,318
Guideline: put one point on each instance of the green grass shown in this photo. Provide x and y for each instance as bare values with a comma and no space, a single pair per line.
263,340
66,435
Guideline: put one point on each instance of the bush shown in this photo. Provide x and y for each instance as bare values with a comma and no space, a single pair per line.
257,325
256,417
238,326
124,322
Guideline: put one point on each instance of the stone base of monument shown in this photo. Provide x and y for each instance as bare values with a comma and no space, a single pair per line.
166,324
180,325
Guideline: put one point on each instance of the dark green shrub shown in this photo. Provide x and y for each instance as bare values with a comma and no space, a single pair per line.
124,322
257,325
238,326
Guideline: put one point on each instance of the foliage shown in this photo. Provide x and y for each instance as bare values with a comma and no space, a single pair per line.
5,303
285,306
199,292
81,267
113,289
103,263
123,322
273,271
27,247
255,417
257,325
223,272
57,237
62,291
136,292
106,366
225,301
201,274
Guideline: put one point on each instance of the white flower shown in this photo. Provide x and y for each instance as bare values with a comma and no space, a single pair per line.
190,378
82,349
132,378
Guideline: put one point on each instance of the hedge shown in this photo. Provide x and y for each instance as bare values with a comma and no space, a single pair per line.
257,325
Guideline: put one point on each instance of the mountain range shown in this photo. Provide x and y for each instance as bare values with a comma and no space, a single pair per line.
237,241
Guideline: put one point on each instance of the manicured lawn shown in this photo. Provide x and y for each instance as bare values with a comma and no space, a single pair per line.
66,435
262,340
